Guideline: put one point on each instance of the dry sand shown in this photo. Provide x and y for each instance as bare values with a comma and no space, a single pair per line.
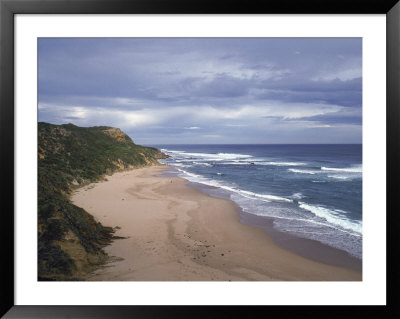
177,233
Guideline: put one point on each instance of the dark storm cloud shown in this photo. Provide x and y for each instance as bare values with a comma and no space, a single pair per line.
336,91
215,84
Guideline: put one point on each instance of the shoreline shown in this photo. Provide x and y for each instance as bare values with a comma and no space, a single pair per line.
176,232
308,248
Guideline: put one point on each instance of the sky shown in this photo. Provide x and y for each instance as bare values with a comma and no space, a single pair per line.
206,90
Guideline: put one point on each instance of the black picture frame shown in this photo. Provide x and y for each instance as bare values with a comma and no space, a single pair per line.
9,8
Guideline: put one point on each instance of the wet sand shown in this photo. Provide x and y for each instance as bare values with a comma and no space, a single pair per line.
178,233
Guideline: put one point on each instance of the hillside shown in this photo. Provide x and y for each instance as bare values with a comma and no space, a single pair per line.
70,241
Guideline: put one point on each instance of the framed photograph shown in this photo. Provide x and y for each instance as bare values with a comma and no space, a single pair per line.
166,154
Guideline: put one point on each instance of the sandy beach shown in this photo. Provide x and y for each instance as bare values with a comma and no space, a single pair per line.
177,233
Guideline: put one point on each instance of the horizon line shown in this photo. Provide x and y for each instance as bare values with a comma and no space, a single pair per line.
257,144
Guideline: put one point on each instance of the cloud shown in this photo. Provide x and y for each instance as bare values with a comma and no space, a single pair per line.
189,89
88,116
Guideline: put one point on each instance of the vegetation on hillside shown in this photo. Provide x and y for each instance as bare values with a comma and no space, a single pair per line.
70,241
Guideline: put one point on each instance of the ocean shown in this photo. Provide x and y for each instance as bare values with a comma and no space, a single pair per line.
309,191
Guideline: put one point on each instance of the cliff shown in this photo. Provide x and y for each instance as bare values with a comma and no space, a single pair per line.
70,241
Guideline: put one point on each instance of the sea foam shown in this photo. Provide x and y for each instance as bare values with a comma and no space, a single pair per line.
353,169
333,216
302,171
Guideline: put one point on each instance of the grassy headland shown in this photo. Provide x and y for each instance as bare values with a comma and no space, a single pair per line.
70,241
